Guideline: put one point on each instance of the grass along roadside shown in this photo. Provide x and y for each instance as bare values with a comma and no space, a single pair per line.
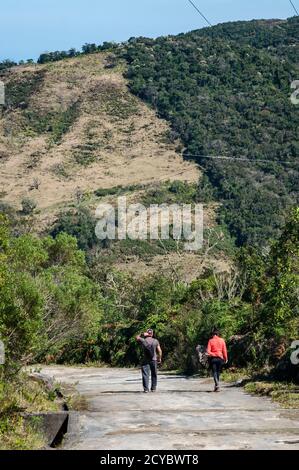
286,394
24,395
27,395
283,393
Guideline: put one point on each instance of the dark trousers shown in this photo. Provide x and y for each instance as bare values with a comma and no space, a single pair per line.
149,368
216,366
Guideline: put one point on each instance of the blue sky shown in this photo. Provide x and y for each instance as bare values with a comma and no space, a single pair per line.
29,27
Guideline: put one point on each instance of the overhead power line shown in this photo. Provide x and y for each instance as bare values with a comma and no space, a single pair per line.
241,159
296,11
201,14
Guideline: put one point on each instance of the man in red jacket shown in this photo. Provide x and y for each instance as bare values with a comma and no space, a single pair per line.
217,353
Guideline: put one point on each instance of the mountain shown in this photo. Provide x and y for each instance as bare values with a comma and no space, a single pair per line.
226,92
74,125
72,135
82,128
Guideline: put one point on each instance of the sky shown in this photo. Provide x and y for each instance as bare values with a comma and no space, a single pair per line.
30,27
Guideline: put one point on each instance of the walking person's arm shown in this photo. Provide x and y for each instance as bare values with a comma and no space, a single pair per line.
224,352
159,354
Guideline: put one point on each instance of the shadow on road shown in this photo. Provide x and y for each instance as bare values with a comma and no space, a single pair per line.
134,392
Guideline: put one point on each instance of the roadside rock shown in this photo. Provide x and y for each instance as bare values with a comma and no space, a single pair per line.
43,379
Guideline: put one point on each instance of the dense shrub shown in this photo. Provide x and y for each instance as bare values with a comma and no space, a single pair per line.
46,296
79,223
28,206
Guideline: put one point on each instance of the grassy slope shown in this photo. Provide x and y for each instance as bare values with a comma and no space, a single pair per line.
74,125
74,129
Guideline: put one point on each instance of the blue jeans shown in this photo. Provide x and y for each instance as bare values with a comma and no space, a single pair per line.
216,365
149,369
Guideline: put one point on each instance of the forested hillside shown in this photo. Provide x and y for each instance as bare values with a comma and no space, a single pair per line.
226,91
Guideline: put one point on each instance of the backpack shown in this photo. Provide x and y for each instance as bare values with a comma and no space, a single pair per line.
202,356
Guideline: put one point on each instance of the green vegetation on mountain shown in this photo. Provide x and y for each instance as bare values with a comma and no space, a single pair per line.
7,64
88,48
18,92
226,91
55,303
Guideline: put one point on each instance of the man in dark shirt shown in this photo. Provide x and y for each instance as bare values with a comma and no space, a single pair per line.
152,356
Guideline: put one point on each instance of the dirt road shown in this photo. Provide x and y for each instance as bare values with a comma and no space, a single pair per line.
183,414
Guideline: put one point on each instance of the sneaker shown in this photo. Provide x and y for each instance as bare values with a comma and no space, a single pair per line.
145,391
153,390
217,388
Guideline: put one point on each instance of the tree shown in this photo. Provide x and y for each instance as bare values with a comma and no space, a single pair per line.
89,48
79,223
281,311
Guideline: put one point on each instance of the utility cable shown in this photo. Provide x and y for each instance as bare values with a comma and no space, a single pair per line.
240,159
296,11
201,14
